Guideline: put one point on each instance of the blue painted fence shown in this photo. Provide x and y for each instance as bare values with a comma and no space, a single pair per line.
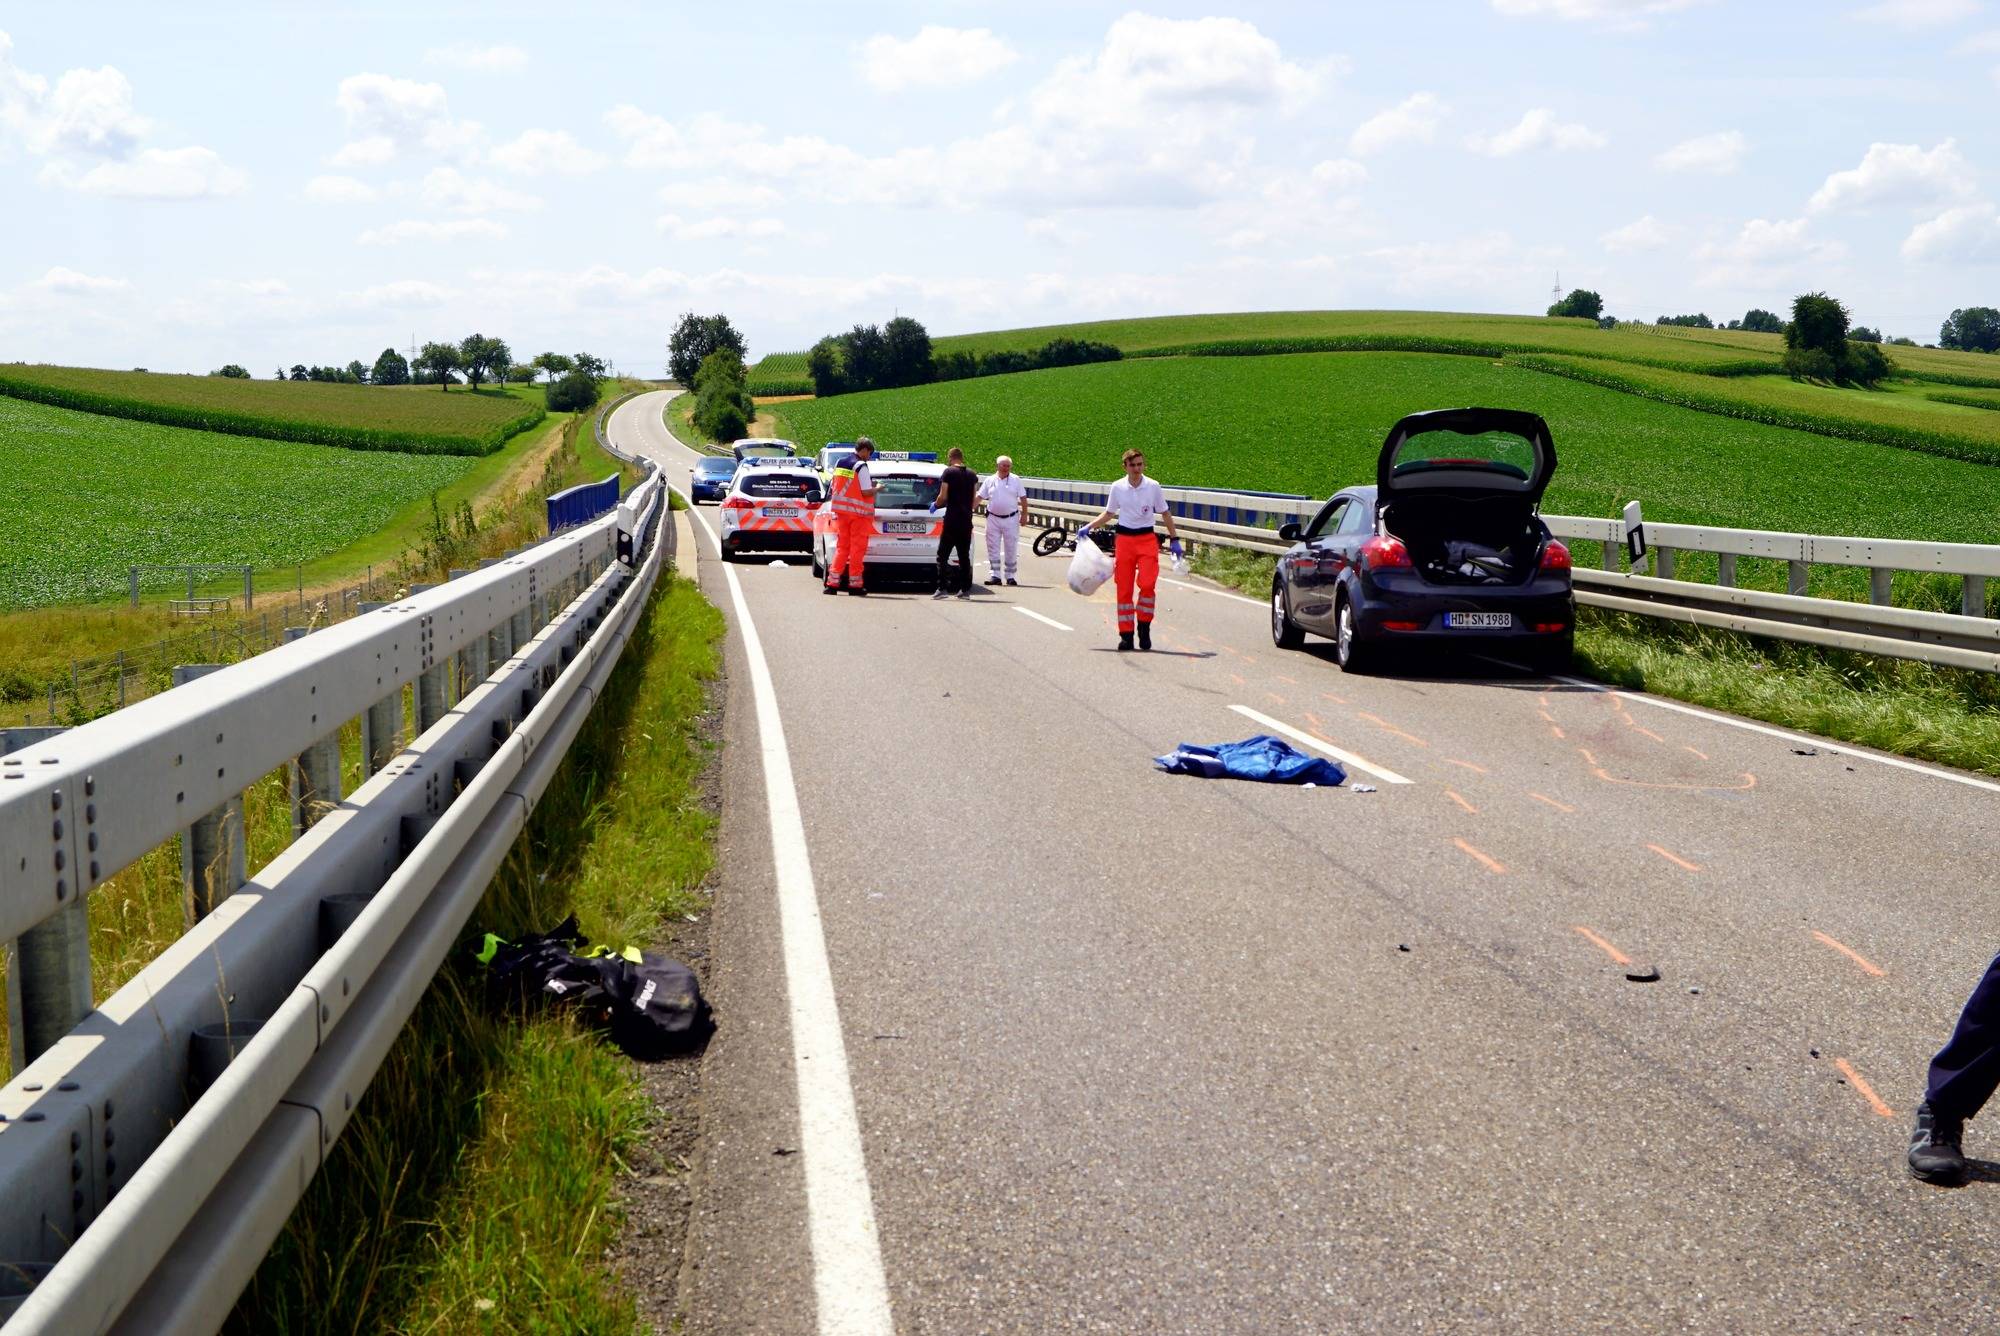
582,503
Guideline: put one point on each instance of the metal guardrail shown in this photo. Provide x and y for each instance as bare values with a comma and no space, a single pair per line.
582,503
1966,639
145,1173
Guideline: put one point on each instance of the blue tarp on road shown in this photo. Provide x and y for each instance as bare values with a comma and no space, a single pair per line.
1263,758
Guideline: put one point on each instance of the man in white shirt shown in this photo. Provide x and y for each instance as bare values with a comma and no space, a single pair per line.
1005,497
1134,502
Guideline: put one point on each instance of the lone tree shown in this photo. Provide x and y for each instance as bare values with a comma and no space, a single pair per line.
1760,321
1972,329
299,371
827,365
1580,302
231,371
554,364
694,338
480,357
586,364
1817,346
439,360
906,354
390,369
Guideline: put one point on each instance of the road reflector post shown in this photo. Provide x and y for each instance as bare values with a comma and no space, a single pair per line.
214,857
48,966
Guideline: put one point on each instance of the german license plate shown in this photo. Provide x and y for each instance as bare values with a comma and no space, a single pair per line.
1489,620
904,526
781,512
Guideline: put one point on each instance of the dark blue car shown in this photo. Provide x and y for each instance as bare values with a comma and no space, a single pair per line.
1447,548
712,476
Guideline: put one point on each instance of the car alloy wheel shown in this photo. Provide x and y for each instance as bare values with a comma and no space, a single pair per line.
1347,646
1284,634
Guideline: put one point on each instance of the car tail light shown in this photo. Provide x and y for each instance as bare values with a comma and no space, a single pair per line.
739,503
1384,552
1402,626
1555,556
1550,628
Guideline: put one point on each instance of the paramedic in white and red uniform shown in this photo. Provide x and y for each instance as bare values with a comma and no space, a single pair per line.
1135,502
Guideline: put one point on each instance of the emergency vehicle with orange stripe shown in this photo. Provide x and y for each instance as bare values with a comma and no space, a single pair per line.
905,540
771,507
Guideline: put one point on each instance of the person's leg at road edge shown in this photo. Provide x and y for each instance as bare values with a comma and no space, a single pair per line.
1137,570
1963,1076
851,554
1003,547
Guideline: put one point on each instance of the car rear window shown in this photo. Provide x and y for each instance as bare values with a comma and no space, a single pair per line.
780,485
717,466
1494,451
905,492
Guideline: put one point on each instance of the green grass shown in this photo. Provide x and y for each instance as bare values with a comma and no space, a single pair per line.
780,373
88,496
403,419
476,1189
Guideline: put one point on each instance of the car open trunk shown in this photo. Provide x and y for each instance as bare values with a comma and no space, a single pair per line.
1462,488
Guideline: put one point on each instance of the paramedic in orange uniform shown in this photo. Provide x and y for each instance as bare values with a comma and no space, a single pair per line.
853,504
1134,502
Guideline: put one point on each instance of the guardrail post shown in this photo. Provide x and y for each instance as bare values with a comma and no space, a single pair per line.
1725,569
1663,563
430,685
1795,578
383,724
314,778
1973,602
214,856
1878,586
249,589
1612,551
48,966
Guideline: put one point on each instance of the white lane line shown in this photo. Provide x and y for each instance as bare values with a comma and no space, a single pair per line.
848,1279
1387,776
1045,621
1218,593
1807,739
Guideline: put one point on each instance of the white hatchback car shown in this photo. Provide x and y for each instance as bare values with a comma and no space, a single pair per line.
905,542
771,507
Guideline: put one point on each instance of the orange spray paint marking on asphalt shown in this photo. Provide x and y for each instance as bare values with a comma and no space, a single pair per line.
1617,957
1702,754
1675,859
1380,722
1547,718
1203,639
1337,700
1875,1101
1749,782
1237,678
1288,681
1639,728
1475,769
1274,698
1588,759
1544,798
1560,735
1491,864
1867,965
1461,802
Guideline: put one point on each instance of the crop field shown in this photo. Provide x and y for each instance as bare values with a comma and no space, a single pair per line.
780,373
89,496
1311,423
404,419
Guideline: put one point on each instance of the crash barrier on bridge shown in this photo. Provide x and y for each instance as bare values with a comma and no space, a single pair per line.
153,1150
582,503
1965,639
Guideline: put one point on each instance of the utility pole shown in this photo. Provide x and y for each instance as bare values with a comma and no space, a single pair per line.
1557,291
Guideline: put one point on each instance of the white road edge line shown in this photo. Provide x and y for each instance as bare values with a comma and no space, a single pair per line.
1385,775
1046,621
848,1279
1203,589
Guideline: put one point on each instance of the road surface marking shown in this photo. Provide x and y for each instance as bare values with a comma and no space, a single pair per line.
1866,964
1380,722
1492,864
1560,735
1696,750
1588,759
1617,957
1475,769
1386,775
1288,681
1875,1101
1231,649
848,1280
1274,698
1237,678
1461,802
1635,725
1675,859
1337,700
1547,718
1045,621
1219,593
1543,797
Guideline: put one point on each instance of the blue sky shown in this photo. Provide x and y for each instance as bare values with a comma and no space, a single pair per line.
270,185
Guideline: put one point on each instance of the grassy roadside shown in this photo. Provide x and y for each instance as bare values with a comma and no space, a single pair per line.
1946,715
475,1191
680,421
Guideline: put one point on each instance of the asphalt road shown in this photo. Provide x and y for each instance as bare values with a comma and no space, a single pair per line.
1138,1053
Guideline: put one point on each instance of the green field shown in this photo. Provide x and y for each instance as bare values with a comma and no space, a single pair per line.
780,373
1313,422
89,496
404,419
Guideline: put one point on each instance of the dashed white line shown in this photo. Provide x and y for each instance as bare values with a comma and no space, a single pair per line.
1382,773
1046,621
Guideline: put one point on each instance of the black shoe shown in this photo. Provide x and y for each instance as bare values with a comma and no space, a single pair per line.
829,589
1011,582
993,579
1124,642
1934,1153
940,594
1145,635
858,592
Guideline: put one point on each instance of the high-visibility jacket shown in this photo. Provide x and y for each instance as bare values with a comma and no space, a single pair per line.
847,498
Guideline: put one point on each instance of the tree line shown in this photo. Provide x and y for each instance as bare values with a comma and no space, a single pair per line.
900,353
472,360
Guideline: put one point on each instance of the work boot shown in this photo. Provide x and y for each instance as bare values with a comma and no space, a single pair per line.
1124,641
1010,581
858,592
1934,1153
993,579
1145,635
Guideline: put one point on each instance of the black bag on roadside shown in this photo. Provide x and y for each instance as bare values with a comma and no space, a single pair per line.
652,1006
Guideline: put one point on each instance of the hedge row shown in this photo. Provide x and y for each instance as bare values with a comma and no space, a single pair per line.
281,429
1820,424
1948,378
1966,401
1428,343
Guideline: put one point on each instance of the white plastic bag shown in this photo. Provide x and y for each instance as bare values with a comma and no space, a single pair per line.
1179,565
1089,568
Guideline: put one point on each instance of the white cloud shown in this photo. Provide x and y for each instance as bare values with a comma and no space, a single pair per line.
386,115
1980,44
1473,267
1918,13
1643,234
719,192
1765,251
339,190
70,283
449,188
1721,153
547,152
153,173
1577,10
484,59
1969,234
427,229
1897,174
719,228
403,293
1536,129
1414,118
87,112
935,58
1054,231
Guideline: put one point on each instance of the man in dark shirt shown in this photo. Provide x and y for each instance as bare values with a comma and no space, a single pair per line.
956,490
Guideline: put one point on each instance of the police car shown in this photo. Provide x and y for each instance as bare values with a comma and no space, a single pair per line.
834,451
764,447
772,507
907,530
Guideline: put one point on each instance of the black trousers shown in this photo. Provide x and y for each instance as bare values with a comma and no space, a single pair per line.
961,541
1967,1069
